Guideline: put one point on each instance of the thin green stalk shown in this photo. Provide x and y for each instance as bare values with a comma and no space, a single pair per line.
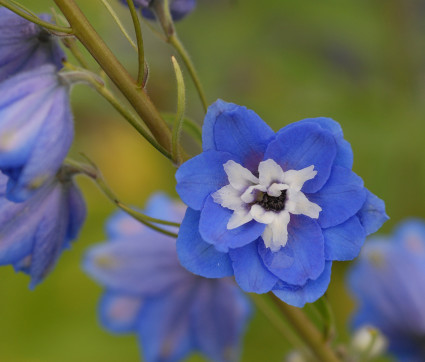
93,80
19,11
306,330
178,46
71,44
140,101
118,22
181,105
139,39
276,321
136,215
162,12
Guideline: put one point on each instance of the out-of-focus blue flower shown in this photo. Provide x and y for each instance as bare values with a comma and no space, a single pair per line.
178,8
273,209
34,233
25,45
36,129
172,311
388,281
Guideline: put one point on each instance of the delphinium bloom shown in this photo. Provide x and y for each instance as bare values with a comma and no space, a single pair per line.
388,281
34,233
178,8
36,128
172,311
274,209
25,45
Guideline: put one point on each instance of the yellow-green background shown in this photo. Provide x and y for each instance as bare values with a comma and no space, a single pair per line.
360,62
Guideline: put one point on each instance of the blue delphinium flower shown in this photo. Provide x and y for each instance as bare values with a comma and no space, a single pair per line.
273,209
25,45
172,311
36,129
34,233
388,281
178,8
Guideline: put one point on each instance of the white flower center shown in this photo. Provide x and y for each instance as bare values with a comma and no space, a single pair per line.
269,198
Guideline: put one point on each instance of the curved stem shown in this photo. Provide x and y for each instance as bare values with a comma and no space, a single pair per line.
119,24
178,122
139,38
178,46
116,72
36,20
306,330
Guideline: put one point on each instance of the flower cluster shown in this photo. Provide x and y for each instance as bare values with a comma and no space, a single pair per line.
41,209
178,8
172,311
273,209
388,281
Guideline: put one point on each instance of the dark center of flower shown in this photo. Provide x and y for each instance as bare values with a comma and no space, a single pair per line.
273,203
43,36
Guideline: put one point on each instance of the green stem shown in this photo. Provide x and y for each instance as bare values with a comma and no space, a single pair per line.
92,79
139,39
306,330
178,122
276,321
116,72
36,20
178,46
71,44
162,12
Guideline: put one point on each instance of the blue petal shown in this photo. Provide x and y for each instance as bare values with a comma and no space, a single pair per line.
196,255
200,176
164,325
305,247
298,296
411,235
161,206
143,266
250,271
301,145
18,224
341,197
372,214
344,155
178,9
50,148
119,313
344,241
77,212
49,236
213,228
237,130
220,314
25,46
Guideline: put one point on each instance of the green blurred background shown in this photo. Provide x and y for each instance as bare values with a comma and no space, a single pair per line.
360,62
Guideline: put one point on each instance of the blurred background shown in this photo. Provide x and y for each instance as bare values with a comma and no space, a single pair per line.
360,62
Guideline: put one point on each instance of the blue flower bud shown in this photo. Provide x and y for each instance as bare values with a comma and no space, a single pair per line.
25,45
388,282
278,207
172,311
36,129
178,8
34,233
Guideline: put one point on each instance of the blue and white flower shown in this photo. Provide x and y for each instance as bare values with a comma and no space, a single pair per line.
25,46
172,311
36,129
34,233
388,282
273,209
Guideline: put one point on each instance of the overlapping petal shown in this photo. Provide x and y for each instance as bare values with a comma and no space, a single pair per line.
236,130
25,46
36,129
302,145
